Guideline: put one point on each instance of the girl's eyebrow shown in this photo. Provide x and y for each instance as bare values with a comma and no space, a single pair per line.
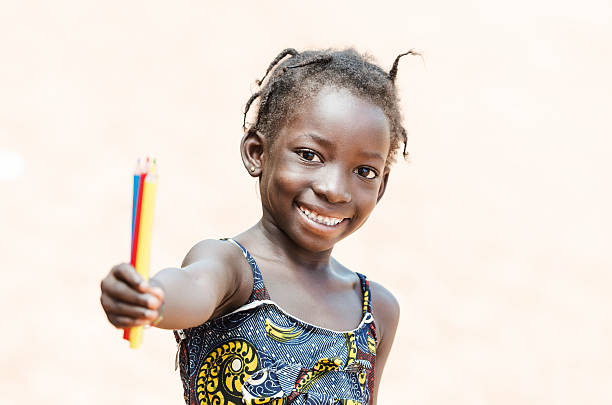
373,155
320,140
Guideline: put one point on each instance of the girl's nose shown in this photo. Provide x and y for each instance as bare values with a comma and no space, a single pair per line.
333,185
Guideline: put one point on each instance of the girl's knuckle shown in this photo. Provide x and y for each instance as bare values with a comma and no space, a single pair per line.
121,290
121,321
104,284
125,309
143,301
112,306
112,319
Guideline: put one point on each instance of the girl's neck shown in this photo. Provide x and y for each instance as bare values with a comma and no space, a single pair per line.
269,241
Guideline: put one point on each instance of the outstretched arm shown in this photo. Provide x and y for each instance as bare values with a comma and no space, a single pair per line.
210,282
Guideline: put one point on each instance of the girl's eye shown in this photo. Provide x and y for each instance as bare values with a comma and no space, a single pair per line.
308,155
366,172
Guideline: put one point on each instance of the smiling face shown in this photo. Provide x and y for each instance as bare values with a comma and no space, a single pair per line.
325,171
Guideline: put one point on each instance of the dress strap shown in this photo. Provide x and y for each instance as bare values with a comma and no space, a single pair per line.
367,296
259,289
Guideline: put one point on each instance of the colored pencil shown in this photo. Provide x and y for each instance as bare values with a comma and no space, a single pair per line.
137,172
141,181
142,235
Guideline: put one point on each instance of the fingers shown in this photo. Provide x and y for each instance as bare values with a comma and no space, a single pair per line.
127,273
124,293
127,298
123,315
125,284
122,322
118,308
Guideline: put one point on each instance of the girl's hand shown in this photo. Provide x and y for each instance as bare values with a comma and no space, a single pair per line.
128,299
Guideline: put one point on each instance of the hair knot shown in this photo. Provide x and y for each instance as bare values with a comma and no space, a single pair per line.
393,71
284,52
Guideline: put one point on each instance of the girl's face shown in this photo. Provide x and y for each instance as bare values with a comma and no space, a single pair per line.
325,171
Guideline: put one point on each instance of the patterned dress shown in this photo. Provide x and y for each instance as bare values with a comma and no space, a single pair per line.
260,354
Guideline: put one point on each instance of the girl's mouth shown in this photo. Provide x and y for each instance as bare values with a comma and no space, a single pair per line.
320,219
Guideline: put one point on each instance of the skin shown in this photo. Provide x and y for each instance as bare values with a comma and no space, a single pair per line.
330,159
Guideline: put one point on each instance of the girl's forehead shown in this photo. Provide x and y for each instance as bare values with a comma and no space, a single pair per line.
339,105
340,116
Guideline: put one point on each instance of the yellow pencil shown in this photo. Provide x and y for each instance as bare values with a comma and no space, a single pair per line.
143,253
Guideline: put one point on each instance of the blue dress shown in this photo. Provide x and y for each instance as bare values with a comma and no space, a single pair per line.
260,354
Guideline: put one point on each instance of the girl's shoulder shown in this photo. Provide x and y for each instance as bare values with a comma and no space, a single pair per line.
215,250
386,311
222,256
384,302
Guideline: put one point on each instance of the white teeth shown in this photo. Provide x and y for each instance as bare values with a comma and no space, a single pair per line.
320,218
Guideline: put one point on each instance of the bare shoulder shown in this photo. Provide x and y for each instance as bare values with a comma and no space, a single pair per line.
224,257
385,308
215,250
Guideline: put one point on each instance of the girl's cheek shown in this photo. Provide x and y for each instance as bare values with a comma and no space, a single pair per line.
289,181
293,171
368,198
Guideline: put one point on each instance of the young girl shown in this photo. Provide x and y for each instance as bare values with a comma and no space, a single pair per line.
269,316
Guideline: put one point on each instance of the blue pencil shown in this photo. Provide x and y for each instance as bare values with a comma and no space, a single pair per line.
135,202
137,172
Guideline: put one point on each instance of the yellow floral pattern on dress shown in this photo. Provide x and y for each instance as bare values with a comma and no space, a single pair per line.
322,367
282,334
224,371
351,348
371,345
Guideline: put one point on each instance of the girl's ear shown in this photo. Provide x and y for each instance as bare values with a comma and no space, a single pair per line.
252,149
383,184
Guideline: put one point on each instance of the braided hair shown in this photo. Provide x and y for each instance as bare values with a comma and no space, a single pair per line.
294,78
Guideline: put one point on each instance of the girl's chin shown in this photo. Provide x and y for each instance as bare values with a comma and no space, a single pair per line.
314,242
314,245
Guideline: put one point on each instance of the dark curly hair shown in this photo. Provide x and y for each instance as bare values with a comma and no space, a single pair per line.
293,81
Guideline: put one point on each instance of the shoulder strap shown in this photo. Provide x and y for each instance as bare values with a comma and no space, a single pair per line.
367,296
259,289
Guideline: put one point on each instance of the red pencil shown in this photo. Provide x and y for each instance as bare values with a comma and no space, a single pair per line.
143,174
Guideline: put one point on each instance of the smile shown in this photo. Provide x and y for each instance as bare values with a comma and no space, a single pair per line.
320,219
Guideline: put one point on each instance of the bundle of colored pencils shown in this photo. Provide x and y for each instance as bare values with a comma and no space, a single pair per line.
143,203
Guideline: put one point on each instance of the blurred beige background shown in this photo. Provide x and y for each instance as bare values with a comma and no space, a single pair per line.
495,238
